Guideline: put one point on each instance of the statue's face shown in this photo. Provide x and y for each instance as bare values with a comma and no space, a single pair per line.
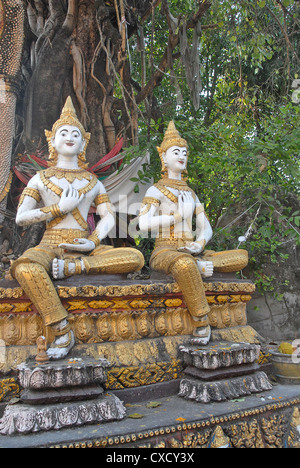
68,141
176,158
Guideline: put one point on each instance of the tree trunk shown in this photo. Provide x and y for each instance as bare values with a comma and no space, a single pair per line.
11,38
82,57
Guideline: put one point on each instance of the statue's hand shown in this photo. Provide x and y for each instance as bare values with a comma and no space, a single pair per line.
192,248
80,245
70,199
186,205
196,248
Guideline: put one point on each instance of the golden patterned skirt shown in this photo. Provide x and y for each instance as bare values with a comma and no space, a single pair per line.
184,268
33,269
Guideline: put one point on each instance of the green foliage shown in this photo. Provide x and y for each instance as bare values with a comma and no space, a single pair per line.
246,181
244,139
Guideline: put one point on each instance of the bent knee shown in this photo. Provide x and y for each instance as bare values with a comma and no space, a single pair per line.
137,259
27,268
185,263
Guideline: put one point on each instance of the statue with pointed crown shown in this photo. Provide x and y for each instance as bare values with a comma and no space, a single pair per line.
61,196
167,212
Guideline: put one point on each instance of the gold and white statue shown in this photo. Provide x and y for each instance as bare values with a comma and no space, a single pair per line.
67,191
167,211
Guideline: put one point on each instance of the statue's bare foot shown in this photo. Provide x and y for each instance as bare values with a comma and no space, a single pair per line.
63,342
58,268
202,332
201,336
63,268
206,268
61,346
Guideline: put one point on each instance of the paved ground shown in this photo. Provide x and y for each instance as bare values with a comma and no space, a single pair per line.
158,413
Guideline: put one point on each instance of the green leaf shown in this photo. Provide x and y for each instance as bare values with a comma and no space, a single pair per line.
153,404
136,416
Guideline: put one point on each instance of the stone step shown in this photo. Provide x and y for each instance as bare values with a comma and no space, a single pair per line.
70,372
226,389
28,419
220,354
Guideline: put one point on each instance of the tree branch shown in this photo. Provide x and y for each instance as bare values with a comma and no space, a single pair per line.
56,10
157,76
71,17
148,12
284,32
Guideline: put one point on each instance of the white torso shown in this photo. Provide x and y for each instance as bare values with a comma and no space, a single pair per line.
167,207
50,198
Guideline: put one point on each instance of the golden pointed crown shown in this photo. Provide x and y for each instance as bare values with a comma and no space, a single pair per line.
171,138
68,117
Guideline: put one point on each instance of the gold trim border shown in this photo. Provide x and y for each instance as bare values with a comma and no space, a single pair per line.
65,292
143,436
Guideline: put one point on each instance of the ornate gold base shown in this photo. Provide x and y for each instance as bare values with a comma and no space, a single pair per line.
133,364
137,327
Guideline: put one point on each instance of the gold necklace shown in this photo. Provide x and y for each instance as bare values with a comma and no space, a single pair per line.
174,183
69,174
45,178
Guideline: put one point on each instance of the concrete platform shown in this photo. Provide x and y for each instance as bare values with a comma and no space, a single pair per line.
267,420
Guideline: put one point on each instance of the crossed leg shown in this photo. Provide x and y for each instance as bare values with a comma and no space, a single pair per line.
33,270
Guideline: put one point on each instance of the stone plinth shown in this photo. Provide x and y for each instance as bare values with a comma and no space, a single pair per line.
74,379
220,354
222,371
115,309
26,419
60,395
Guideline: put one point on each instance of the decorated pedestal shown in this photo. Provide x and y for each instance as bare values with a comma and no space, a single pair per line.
143,330
222,371
138,326
60,395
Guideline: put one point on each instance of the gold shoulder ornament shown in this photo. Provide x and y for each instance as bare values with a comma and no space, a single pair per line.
30,192
147,203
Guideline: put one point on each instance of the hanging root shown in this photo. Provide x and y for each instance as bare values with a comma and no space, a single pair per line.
79,81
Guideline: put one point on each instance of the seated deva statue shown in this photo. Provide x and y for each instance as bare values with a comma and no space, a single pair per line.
167,211
67,191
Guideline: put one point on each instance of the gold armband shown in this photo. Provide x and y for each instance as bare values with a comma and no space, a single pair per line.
78,266
103,198
53,209
150,201
146,205
30,192
199,209
94,238
202,243
177,218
